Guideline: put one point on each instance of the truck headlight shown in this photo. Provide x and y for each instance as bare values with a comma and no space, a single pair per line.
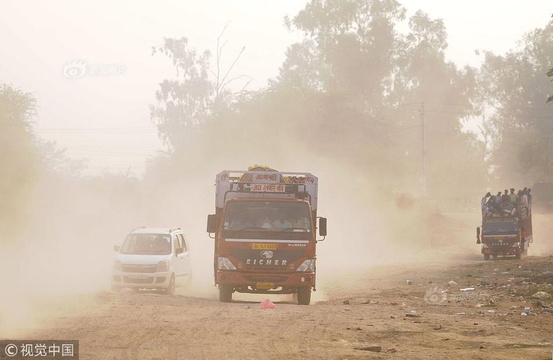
224,264
162,266
484,246
517,244
117,265
307,265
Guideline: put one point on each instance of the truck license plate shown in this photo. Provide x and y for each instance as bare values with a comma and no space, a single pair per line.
265,285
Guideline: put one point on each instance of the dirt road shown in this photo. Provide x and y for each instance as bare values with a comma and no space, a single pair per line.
464,308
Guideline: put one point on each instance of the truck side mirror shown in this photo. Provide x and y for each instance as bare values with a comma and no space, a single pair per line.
322,226
211,223
478,235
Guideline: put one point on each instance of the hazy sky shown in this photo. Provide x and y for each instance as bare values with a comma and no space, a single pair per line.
105,116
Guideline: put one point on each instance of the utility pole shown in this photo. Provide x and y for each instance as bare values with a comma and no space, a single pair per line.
423,130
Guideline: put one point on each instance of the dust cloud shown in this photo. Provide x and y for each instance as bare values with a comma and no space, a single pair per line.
67,247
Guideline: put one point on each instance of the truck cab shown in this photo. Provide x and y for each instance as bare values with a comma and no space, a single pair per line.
505,235
265,232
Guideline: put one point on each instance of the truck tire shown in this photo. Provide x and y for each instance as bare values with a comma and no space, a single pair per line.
225,293
304,295
517,255
486,256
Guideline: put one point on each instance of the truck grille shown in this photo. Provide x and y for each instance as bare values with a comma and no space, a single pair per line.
139,268
275,279
500,243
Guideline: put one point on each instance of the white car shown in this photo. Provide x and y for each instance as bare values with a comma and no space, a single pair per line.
152,258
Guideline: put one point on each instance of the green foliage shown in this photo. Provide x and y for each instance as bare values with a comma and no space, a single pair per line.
514,86
355,91
186,102
375,81
18,157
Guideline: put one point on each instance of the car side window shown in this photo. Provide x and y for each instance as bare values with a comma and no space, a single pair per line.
183,242
176,243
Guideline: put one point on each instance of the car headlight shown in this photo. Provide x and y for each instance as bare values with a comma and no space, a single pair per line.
117,265
307,265
162,266
224,264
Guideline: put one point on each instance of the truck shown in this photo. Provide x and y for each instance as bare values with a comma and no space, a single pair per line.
265,233
506,234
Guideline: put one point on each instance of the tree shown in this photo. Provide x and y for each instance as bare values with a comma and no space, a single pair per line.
550,74
18,157
516,88
186,103
355,57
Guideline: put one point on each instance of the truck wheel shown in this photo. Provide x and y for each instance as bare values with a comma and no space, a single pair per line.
304,295
115,288
486,256
517,255
170,290
225,293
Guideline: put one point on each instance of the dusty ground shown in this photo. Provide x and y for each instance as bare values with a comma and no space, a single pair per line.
439,307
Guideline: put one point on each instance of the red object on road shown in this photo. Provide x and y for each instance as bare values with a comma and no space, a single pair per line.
267,304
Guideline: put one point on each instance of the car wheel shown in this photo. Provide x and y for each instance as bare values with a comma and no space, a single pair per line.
115,288
170,290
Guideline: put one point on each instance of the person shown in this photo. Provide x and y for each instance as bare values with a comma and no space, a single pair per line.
522,198
161,244
494,204
513,197
281,222
498,197
484,204
241,221
265,223
507,209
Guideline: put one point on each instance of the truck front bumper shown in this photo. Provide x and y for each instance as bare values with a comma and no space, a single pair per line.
284,283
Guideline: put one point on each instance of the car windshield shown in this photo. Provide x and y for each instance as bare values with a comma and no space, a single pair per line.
267,216
146,244
500,227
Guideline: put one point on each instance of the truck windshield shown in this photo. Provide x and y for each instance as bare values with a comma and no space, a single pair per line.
146,244
282,217
503,227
